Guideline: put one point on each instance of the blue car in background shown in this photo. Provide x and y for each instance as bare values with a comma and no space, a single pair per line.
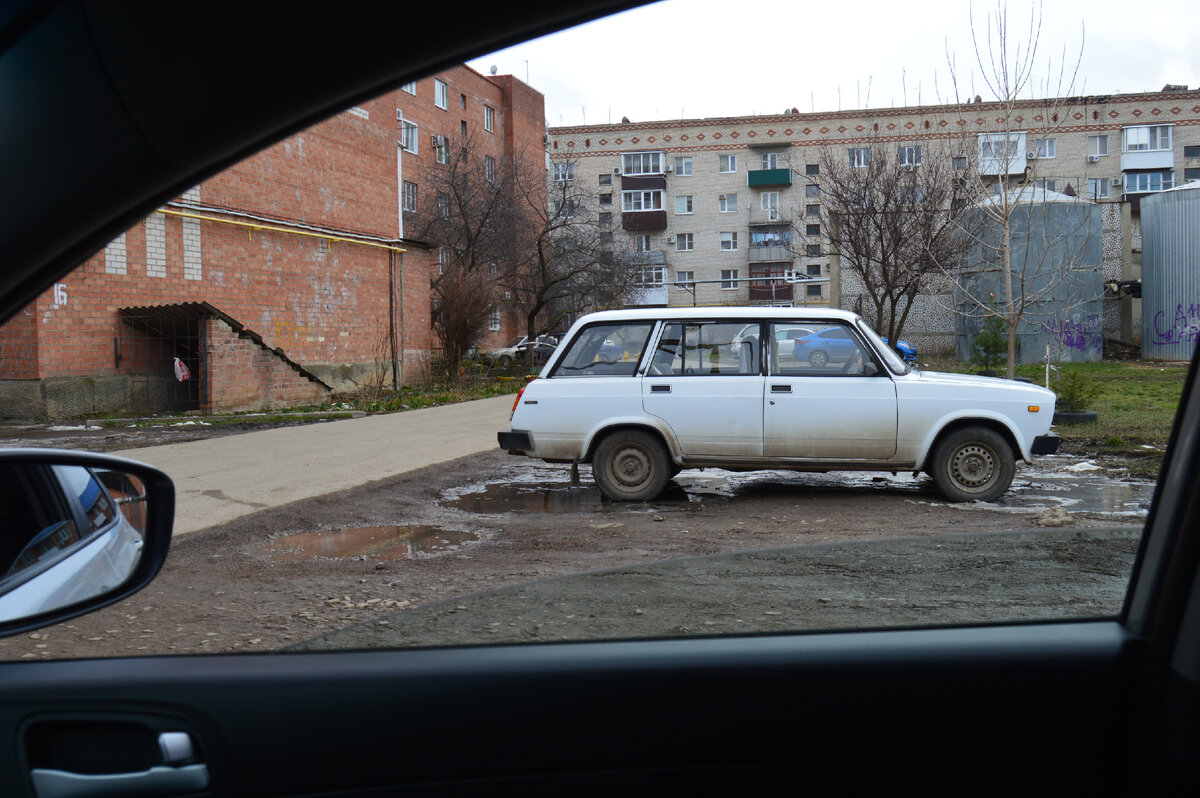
906,350
829,345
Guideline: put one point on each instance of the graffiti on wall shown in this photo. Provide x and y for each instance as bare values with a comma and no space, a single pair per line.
1182,326
1073,333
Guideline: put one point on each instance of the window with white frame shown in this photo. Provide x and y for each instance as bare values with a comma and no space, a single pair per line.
910,156
440,94
685,280
443,205
770,160
1044,148
641,242
1146,138
443,256
1097,146
653,276
408,135
564,208
494,320
727,203
489,119
769,202
606,180
683,242
441,152
564,172
683,204
958,162
410,196
489,168
726,163
1098,187
1140,182
1001,147
729,240
729,279
641,200
642,163
1046,184
683,165
860,156
410,87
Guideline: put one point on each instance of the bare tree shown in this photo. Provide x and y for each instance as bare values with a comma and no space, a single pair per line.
1005,189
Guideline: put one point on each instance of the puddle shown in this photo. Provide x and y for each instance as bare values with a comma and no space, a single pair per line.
376,542
507,497
1075,492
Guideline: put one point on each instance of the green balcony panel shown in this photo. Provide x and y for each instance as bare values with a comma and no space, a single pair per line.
762,178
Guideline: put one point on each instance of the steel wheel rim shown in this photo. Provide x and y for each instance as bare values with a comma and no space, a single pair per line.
630,467
973,467
818,359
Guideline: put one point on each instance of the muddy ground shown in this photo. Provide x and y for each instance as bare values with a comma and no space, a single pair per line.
410,560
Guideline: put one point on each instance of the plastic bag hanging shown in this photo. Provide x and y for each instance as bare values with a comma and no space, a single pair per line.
181,370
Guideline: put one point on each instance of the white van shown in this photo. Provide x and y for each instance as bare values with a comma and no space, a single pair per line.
644,393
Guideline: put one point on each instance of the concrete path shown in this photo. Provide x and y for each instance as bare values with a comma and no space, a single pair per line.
220,479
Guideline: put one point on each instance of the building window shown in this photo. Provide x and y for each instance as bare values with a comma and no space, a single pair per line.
653,276
727,163
683,242
683,204
1147,138
1191,174
641,243
641,200
769,202
729,240
813,290
812,169
685,280
606,180
1191,151
410,87
812,190
408,135
489,168
642,163
727,203
564,209
860,156
410,196
606,238
1002,147
443,256
959,162
910,156
1045,185
606,199
812,229
814,270
812,210
494,320
1097,146
1140,182
440,97
489,119
812,250
770,160
462,100
683,165
462,128
441,152
443,205
564,172
729,279
770,236
1044,148
605,218
1098,187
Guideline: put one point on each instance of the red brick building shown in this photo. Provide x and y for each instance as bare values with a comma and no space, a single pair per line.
285,278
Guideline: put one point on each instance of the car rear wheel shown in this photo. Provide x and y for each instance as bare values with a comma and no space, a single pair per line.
504,362
973,464
818,359
631,466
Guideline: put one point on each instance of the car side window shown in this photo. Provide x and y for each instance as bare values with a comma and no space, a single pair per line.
605,350
816,350
706,348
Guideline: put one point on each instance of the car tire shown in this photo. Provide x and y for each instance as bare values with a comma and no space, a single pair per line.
973,464
504,362
631,466
818,359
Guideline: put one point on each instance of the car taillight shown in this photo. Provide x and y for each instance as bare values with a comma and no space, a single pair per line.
516,402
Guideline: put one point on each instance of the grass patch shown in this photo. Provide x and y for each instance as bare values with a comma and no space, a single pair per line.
414,397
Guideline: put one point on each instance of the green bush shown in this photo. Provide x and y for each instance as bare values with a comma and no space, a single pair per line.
990,347
1075,391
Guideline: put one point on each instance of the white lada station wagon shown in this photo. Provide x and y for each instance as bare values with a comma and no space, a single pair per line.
644,393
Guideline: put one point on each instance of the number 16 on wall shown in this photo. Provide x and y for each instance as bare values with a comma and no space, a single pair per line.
60,294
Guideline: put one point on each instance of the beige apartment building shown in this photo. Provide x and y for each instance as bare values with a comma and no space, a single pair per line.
728,210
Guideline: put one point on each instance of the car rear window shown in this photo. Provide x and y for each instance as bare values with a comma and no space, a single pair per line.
605,350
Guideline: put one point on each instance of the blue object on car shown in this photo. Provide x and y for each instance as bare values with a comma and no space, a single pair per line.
906,350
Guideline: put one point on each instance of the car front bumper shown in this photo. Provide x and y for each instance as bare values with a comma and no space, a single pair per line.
515,440
1045,444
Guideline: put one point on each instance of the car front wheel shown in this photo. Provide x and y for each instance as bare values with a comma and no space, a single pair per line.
973,464
818,359
631,466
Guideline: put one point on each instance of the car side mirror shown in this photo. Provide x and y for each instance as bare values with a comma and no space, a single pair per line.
80,531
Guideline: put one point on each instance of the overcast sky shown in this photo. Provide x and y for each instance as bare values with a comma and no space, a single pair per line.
698,58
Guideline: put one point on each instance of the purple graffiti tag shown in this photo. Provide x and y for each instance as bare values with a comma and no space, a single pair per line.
1182,327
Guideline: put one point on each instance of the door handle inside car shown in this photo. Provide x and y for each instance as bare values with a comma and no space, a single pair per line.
178,774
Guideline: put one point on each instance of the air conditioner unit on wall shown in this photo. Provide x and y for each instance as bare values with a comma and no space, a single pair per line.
616,170
670,239
1116,181
1031,155
1093,159
668,168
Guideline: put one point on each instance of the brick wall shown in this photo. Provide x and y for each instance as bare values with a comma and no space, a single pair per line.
244,375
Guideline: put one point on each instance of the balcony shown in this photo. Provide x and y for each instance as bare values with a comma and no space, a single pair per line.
644,221
769,178
768,254
1148,159
774,291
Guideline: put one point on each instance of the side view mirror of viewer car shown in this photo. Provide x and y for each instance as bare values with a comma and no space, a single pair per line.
78,532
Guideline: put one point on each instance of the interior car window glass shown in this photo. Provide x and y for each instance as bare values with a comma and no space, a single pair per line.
604,350
34,526
817,350
80,483
893,360
706,348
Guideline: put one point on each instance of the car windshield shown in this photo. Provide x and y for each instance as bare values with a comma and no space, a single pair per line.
328,346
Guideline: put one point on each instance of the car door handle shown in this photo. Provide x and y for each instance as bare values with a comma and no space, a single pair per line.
660,389
156,781
781,389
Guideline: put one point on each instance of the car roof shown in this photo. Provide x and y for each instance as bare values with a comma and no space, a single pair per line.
737,312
